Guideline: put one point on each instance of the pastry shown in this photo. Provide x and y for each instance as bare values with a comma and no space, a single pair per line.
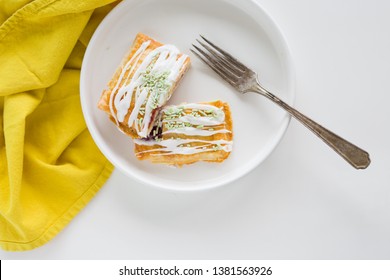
188,133
144,82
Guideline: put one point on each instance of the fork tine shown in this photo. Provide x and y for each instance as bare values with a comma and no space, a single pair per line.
224,61
216,62
214,67
231,58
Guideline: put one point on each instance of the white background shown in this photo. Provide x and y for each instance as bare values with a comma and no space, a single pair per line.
302,202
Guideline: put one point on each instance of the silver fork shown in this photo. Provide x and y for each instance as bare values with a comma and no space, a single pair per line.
245,80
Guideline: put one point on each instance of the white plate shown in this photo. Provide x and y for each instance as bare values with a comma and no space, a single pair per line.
242,28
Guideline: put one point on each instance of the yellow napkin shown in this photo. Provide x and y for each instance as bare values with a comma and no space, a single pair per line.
49,165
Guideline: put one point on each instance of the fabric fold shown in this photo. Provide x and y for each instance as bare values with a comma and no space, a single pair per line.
50,167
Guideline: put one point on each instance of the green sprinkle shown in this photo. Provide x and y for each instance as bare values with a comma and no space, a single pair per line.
217,147
156,83
200,126
169,111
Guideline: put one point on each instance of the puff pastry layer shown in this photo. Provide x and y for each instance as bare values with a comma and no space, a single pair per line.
144,82
188,133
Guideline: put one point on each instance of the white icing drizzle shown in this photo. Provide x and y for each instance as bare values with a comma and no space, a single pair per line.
197,125
150,84
193,131
219,115
136,57
179,146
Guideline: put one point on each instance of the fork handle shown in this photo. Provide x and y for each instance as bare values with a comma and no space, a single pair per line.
354,155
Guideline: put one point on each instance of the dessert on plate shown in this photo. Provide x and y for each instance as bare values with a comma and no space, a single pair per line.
187,133
144,82
135,100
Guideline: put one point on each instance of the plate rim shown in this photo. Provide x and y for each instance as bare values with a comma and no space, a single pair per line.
206,184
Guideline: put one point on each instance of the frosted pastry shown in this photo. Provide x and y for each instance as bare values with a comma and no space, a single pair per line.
188,133
143,83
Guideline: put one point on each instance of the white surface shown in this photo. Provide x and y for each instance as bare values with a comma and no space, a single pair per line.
257,122
303,201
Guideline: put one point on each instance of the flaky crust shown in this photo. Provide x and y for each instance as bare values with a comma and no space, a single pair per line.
104,101
142,153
